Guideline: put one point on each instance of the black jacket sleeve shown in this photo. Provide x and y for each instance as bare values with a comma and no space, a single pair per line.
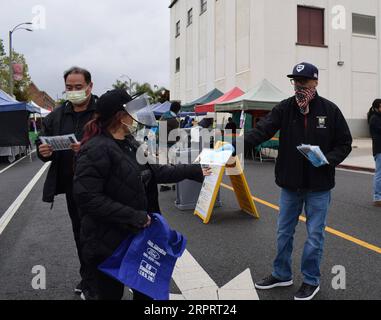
266,128
342,141
375,125
46,131
177,173
91,173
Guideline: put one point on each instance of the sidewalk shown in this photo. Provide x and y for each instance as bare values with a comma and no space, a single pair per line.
361,157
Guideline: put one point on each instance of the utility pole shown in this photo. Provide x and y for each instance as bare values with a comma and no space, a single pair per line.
10,65
11,53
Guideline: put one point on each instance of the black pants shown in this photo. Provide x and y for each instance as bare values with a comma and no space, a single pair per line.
103,287
76,225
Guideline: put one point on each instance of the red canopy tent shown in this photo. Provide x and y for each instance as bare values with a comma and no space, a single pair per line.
209,107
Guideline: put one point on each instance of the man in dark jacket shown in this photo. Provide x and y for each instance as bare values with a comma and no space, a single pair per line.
69,118
374,119
173,123
310,119
231,125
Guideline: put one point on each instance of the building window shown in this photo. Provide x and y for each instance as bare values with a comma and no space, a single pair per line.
204,5
190,17
362,24
177,65
310,26
177,29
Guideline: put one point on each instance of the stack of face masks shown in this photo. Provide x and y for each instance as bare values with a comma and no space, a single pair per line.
313,154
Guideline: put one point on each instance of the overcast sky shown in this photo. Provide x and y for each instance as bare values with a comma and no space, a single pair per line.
110,38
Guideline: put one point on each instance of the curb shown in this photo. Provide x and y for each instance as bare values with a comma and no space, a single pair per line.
356,168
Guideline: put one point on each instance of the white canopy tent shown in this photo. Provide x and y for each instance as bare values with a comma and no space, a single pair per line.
43,112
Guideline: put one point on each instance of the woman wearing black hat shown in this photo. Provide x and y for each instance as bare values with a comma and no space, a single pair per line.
115,193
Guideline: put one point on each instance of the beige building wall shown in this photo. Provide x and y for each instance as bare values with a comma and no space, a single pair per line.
240,42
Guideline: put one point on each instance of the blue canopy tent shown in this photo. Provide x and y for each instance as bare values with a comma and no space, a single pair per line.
153,106
14,115
7,103
161,109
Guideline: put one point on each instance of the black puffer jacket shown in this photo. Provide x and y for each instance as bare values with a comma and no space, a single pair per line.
111,196
324,126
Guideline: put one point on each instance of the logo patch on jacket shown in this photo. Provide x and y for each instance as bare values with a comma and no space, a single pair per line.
322,123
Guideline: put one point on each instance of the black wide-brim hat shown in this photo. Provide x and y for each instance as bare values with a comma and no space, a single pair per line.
111,103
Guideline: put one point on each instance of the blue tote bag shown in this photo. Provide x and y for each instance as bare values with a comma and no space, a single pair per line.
145,262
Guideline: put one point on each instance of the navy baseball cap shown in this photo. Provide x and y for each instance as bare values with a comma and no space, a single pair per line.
305,70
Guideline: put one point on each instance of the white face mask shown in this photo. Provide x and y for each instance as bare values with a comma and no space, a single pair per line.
132,128
77,97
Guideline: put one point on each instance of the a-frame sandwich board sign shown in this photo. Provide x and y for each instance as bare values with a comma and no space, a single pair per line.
211,186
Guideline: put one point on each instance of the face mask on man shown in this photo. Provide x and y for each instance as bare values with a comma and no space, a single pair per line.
77,97
303,97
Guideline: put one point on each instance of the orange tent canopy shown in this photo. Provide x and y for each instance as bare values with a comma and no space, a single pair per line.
209,107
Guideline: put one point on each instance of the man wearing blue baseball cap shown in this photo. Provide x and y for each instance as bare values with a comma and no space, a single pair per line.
309,119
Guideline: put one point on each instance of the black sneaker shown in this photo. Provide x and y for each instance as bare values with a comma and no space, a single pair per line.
272,282
306,292
79,288
87,295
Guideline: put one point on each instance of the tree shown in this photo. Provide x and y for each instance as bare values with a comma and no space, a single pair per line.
144,88
121,85
2,51
3,66
20,87
161,95
60,102
156,94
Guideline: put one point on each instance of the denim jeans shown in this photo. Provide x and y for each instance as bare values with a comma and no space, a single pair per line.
377,179
316,206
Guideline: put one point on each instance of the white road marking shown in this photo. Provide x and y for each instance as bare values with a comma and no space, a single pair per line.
195,283
8,215
14,163
240,288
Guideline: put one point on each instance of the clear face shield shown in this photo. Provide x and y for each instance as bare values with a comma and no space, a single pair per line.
141,111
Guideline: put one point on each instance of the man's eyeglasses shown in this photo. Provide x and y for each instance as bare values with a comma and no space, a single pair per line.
300,81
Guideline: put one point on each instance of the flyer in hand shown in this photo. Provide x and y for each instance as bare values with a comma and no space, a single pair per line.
60,143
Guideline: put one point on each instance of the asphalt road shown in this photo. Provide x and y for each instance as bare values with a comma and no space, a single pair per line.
232,242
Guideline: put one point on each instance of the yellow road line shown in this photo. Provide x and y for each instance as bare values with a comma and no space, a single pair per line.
327,229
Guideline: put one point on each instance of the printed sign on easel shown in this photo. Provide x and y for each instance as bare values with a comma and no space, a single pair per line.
217,160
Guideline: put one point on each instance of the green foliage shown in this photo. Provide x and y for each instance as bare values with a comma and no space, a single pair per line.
60,102
20,87
156,94
121,85
2,51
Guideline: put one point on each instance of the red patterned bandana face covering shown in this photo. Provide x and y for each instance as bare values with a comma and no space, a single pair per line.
303,98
